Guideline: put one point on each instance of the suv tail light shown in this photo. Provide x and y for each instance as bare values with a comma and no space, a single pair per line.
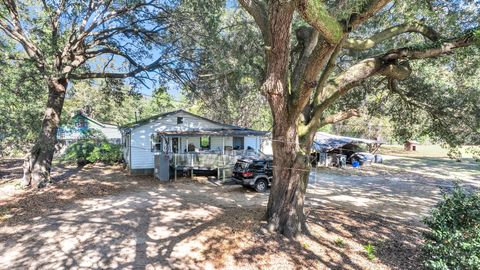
247,174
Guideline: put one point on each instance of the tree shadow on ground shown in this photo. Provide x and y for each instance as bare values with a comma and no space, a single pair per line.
397,242
10,169
95,181
65,172
187,225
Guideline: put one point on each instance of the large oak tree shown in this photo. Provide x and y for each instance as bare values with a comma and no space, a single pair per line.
69,40
303,82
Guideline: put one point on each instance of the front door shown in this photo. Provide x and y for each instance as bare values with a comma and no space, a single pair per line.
175,145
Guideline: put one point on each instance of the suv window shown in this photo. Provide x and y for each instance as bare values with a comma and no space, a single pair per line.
241,165
258,165
269,165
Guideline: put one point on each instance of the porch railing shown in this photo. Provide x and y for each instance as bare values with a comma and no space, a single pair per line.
202,160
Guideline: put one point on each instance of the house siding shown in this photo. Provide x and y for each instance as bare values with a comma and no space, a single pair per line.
111,132
252,142
142,157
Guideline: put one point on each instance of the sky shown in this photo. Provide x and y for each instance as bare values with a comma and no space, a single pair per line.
174,89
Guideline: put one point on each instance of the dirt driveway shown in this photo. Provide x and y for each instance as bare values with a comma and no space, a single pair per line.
403,187
100,218
391,196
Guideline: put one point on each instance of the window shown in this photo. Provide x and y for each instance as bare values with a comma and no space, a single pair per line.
157,144
179,120
238,143
205,143
258,165
175,145
269,165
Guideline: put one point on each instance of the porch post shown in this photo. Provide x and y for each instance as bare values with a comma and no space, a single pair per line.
175,165
223,164
223,145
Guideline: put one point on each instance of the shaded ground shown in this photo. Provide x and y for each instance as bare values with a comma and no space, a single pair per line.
402,187
101,218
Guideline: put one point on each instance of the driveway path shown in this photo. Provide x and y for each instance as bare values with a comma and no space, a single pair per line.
188,225
389,196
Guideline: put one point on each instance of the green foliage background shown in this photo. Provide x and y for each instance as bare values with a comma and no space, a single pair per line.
453,241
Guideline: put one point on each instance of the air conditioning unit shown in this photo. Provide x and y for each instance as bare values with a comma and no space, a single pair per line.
162,167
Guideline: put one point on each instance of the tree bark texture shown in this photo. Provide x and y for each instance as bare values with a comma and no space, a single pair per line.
285,205
38,162
291,172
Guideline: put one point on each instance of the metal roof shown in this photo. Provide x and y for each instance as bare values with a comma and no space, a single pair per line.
213,132
326,142
224,130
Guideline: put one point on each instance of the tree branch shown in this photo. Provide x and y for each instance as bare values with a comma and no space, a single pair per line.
415,27
315,13
309,80
368,10
387,65
431,51
95,75
102,18
15,31
307,39
258,10
341,116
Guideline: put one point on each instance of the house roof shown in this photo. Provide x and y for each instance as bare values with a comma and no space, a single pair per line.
223,130
412,142
214,132
326,142
93,120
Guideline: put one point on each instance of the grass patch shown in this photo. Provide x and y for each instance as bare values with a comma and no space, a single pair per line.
370,250
339,242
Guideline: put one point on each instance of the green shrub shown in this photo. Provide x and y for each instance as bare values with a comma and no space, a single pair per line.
453,241
455,153
475,151
79,151
90,151
106,152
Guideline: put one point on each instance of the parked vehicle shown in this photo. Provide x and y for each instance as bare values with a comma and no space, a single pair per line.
363,158
256,173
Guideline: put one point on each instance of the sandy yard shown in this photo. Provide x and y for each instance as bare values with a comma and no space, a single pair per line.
98,217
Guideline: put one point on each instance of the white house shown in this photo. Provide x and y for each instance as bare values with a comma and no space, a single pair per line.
81,124
182,132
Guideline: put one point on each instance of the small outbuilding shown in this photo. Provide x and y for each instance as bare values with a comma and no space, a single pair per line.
410,145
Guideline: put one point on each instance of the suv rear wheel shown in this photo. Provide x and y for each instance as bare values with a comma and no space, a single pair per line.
261,185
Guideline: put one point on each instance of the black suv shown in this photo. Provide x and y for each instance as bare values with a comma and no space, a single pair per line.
256,173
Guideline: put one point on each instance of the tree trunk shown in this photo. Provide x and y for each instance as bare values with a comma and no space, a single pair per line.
291,172
37,164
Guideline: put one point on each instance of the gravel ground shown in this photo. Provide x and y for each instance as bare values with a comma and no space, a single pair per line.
97,217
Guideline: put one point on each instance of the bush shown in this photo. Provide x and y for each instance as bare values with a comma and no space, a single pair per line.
91,151
453,241
107,153
475,151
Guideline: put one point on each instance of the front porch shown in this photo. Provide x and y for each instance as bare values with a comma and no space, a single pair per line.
222,163
204,143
